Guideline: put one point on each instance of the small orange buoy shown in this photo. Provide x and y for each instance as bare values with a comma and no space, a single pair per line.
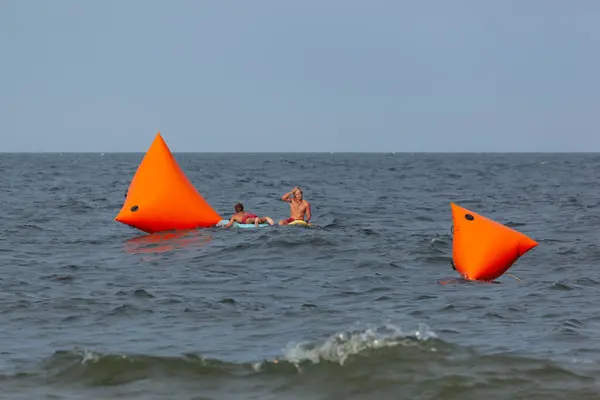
483,249
161,198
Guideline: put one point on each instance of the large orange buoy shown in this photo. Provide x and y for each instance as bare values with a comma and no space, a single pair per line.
161,198
483,249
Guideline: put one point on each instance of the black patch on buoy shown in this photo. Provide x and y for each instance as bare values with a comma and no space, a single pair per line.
469,217
134,208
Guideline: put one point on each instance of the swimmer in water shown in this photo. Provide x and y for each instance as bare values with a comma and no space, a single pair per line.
299,208
244,217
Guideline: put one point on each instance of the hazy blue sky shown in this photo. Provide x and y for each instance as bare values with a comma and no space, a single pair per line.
313,75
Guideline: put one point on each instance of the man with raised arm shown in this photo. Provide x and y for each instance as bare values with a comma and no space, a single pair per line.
299,208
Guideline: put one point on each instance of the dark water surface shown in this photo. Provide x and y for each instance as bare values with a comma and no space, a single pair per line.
366,305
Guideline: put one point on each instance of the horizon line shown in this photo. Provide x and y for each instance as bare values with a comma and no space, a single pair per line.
311,152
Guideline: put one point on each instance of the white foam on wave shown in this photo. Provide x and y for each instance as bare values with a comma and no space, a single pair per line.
339,346
89,356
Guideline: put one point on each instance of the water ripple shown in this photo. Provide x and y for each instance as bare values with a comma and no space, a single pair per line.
93,308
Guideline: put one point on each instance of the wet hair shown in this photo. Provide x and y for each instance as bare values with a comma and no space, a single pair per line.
239,207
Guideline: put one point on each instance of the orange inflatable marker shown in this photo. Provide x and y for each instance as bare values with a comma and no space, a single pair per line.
483,249
161,198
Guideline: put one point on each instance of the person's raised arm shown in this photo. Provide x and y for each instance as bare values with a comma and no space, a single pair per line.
286,197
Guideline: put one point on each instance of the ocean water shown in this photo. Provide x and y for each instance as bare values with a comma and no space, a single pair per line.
364,306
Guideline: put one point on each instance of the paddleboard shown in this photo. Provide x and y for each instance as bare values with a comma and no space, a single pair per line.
224,222
238,225
300,222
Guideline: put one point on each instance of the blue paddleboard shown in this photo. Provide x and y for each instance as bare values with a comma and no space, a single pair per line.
238,225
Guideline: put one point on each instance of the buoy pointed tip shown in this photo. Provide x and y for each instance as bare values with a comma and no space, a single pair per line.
158,137
527,244
455,207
